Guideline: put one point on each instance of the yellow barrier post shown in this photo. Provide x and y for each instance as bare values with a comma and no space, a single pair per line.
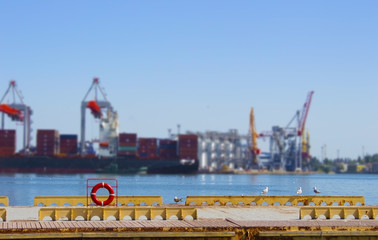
127,212
4,200
111,212
344,212
3,214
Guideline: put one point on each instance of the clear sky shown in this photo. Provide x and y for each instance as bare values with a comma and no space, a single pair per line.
201,64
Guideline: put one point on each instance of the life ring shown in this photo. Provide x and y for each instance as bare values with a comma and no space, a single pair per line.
110,190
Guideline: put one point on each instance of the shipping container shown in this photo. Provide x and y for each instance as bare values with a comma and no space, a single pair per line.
7,142
167,149
68,144
147,148
188,146
127,139
47,142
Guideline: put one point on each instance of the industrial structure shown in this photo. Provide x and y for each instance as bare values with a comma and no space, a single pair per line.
288,146
286,143
216,151
222,151
18,111
119,153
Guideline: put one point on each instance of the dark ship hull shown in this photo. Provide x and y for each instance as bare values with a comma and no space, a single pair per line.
74,165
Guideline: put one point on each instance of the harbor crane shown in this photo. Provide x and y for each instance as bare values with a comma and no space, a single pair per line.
286,142
108,120
18,111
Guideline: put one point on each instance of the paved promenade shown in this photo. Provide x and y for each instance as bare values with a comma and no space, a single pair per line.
213,222
208,212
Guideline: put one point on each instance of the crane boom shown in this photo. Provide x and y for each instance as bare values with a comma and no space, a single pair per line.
305,109
254,149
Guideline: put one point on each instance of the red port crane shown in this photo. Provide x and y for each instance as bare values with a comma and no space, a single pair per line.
17,111
95,106
282,138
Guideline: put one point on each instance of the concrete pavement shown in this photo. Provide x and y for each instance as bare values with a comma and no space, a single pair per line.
209,212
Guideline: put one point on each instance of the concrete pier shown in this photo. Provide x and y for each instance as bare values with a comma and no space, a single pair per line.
213,222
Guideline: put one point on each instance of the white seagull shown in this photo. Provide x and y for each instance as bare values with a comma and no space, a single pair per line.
316,190
265,191
177,200
299,191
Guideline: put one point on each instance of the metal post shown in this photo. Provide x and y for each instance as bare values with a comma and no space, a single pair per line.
25,126
82,128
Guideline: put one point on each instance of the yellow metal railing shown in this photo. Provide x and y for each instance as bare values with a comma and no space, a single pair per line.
343,212
82,200
4,200
116,213
3,214
274,200
316,235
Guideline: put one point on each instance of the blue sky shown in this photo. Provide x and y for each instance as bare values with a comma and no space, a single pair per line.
201,64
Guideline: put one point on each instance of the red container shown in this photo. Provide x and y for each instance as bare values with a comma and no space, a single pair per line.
47,142
127,139
188,146
68,144
5,133
167,154
188,141
7,142
147,148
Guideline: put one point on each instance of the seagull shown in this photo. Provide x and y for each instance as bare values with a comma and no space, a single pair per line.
316,190
299,191
265,191
177,200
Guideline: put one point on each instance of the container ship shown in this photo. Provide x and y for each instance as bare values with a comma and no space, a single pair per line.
118,153
56,153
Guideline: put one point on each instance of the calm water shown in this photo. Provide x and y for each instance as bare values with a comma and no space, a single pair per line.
22,188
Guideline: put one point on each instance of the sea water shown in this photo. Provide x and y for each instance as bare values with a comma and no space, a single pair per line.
22,188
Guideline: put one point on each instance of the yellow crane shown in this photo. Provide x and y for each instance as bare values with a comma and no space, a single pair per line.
252,129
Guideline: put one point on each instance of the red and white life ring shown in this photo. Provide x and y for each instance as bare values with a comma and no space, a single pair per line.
107,201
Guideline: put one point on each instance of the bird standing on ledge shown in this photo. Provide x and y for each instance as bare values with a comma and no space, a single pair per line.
177,200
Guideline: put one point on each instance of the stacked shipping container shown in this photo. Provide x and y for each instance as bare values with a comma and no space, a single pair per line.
7,142
167,149
188,146
68,144
47,142
147,148
127,144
